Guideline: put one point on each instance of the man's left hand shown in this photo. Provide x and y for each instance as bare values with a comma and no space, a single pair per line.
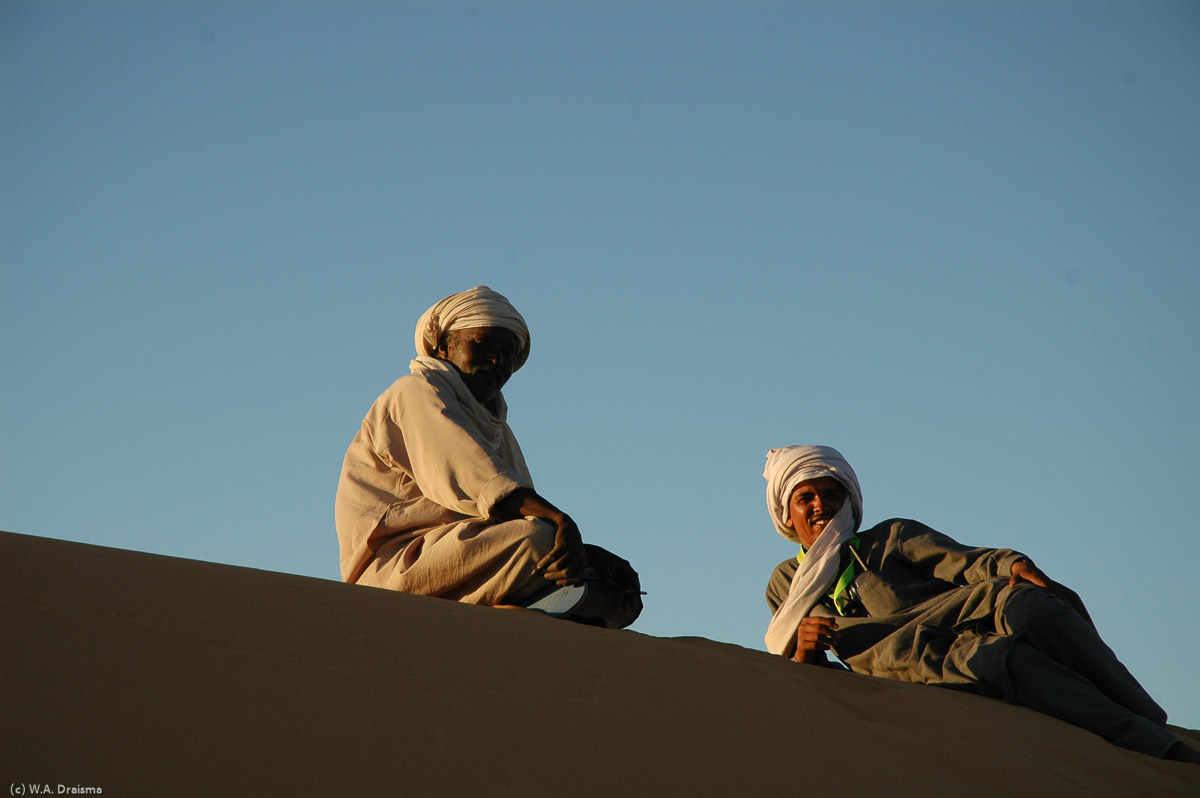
1025,571
567,560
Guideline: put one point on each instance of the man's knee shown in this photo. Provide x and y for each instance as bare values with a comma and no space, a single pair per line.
541,537
1030,607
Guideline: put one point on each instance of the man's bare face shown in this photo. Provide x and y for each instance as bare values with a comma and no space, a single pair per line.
813,505
486,357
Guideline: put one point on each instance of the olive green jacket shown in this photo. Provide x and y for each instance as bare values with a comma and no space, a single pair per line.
925,609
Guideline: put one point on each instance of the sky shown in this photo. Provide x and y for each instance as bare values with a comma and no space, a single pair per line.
960,242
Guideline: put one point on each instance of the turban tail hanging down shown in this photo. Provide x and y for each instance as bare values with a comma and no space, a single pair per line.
787,467
478,307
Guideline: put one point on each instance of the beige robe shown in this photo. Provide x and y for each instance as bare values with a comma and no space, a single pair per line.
419,485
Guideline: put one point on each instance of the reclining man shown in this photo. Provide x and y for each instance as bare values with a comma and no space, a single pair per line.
435,497
902,601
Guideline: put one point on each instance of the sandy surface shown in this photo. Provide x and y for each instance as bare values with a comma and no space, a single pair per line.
147,675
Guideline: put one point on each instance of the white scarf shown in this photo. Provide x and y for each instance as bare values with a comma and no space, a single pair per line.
786,468
493,429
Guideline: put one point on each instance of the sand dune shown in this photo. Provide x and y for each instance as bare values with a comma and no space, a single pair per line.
146,675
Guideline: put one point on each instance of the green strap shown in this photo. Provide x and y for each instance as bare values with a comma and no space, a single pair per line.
838,594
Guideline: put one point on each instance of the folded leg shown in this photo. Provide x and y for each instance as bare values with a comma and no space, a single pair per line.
1048,686
474,562
1055,628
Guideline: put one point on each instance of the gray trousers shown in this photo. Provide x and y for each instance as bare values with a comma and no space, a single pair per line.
1062,668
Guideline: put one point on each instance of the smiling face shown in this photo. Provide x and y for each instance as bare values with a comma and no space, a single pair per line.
813,505
485,356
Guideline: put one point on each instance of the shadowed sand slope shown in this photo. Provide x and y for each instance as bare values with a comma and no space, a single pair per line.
149,675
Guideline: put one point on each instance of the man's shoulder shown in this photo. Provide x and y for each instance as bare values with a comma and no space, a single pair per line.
788,566
411,384
783,573
892,523
780,582
418,381
892,527
410,390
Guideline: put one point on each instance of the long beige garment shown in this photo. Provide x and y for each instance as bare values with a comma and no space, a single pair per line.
419,484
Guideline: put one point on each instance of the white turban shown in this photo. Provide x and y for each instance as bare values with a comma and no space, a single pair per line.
479,307
787,468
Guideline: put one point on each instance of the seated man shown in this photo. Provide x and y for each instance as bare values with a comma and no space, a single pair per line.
904,602
435,497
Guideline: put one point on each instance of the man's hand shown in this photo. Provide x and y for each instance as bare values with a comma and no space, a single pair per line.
1025,571
567,560
815,635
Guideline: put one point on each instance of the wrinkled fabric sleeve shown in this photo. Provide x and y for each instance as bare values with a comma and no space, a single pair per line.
780,583
449,460
777,591
939,556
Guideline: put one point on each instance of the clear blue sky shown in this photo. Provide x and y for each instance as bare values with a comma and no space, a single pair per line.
958,241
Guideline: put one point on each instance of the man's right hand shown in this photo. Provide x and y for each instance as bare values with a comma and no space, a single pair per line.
815,635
